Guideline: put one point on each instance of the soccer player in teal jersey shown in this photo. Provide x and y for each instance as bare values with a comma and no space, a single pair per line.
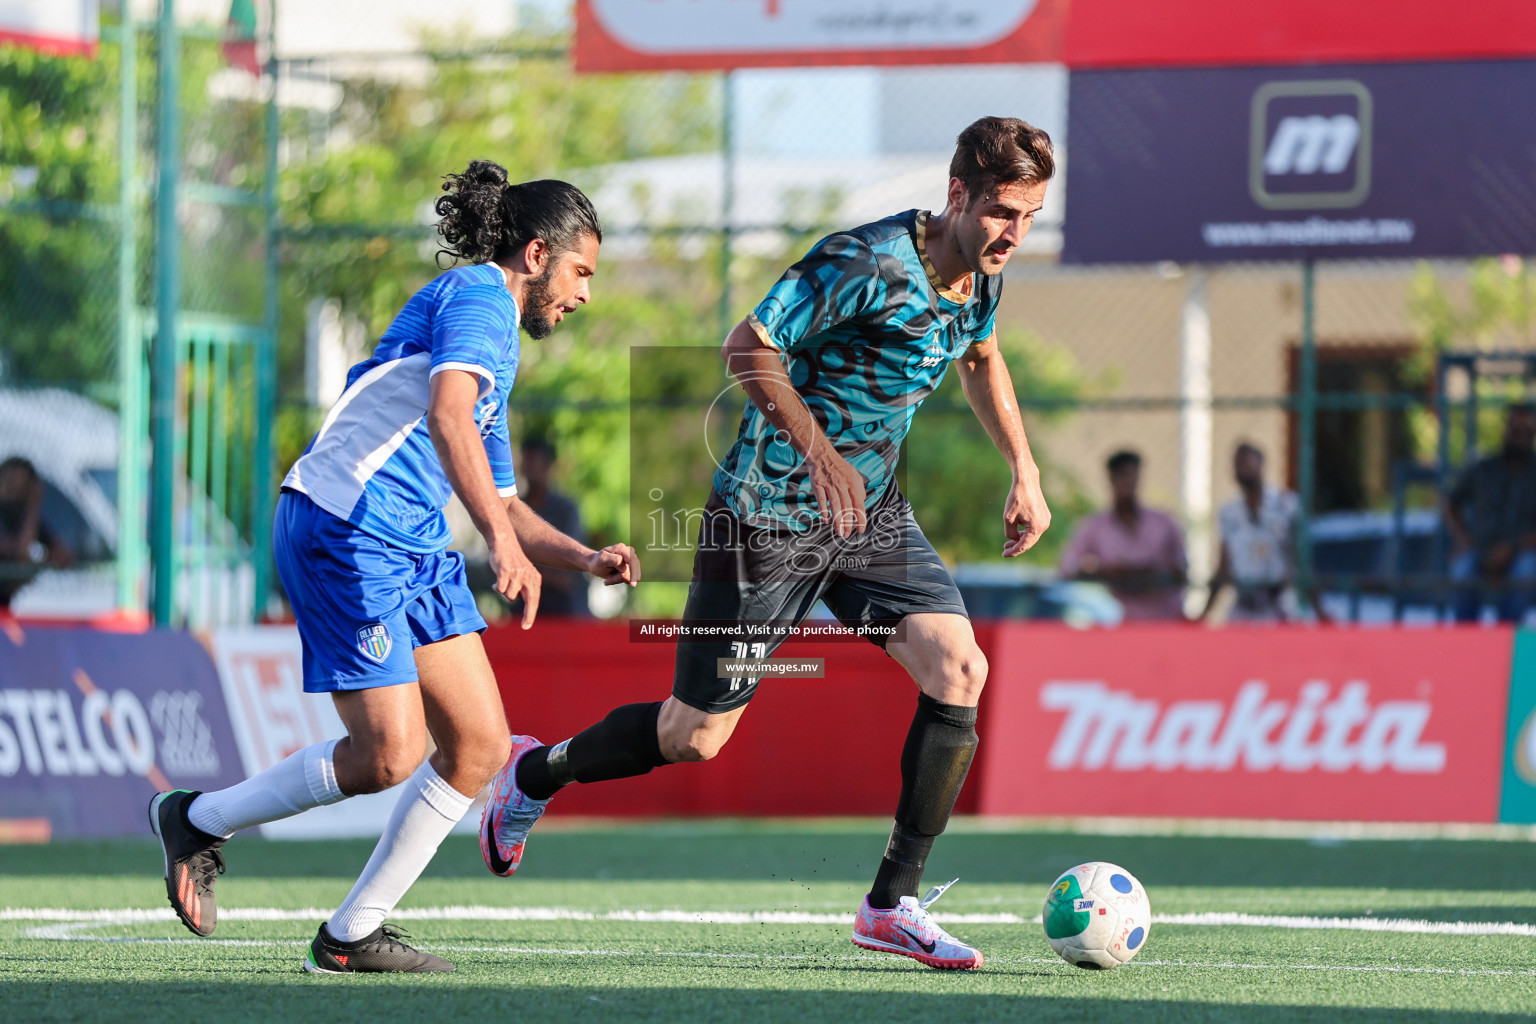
836,359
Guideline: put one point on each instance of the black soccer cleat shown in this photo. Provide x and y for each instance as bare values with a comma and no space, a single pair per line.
192,860
382,951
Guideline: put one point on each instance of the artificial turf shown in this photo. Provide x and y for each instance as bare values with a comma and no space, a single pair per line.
584,963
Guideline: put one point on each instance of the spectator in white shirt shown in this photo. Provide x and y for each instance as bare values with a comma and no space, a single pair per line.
1258,545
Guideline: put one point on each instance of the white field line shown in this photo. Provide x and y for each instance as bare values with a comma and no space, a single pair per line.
1048,961
1354,924
72,920
482,913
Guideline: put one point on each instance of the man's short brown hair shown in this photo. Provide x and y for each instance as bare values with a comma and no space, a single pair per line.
1001,151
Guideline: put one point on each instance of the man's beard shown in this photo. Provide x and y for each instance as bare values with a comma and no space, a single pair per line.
537,305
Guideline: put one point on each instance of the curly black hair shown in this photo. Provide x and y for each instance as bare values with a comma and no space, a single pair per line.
484,219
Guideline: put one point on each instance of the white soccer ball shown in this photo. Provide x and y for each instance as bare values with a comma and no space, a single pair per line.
1097,916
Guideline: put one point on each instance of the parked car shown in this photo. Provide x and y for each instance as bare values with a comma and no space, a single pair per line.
1368,572
72,442
1012,591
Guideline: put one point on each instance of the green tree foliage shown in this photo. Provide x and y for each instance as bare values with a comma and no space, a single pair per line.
955,478
58,180
60,213
1492,308
357,213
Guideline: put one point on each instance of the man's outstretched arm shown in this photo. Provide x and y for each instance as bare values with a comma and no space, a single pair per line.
545,545
989,390
456,436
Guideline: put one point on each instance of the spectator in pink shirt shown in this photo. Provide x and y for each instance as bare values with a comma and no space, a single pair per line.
1137,551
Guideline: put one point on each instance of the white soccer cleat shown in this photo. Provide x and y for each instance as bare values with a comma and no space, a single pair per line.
907,929
509,814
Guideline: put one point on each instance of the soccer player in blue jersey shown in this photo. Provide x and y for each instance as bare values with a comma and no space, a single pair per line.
389,626
836,359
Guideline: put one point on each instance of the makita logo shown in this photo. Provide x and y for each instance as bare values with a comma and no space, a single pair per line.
1315,731
1310,145
1306,145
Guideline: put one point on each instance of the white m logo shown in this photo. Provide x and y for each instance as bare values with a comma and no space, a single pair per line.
1286,142
1306,145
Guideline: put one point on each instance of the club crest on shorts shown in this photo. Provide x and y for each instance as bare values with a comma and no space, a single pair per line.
375,641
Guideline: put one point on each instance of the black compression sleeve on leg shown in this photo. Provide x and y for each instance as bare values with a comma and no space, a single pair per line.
934,763
622,745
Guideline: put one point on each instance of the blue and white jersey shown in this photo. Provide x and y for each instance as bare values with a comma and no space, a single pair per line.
372,463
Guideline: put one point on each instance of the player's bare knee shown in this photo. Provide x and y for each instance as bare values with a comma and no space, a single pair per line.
475,758
973,669
961,676
490,756
379,762
383,770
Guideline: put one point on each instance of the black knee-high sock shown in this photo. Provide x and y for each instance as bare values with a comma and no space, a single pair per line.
621,745
934,763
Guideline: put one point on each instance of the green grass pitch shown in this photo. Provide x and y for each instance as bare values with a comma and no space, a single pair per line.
596,944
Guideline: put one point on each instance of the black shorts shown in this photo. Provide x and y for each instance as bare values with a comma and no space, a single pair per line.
771,578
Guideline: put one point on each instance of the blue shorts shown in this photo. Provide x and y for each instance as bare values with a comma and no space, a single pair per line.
362,605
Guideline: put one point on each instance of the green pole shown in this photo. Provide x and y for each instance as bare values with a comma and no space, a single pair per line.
1306,465
168,301
130,339
727,198
266,354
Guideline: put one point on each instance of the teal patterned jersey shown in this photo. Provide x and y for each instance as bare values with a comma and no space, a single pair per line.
866,331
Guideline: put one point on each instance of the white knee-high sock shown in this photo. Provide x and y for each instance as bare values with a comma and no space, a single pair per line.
427,811
304,779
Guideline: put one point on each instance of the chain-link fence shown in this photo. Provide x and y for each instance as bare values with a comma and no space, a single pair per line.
708,186
79,181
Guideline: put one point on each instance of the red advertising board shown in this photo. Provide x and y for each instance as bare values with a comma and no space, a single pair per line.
1185,33
652,35
805,746
1298,724
707,35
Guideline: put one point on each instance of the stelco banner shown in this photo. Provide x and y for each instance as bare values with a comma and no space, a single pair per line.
1385,160
94,724
649,35
1330,725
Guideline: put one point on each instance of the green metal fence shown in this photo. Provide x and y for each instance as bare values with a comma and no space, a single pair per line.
134,193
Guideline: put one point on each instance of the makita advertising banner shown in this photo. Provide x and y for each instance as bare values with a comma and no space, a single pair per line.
1141,721
1384,160
94,724
1297,724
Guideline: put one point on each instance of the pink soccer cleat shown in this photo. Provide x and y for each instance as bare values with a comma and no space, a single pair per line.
909,930
509,815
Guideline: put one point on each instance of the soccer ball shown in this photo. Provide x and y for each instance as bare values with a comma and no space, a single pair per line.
1097,916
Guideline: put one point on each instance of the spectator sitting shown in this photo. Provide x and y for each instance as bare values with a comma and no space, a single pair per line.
1137,551
1258,545
26,543
564,592
1491,514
